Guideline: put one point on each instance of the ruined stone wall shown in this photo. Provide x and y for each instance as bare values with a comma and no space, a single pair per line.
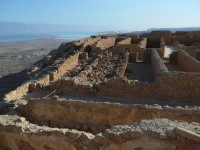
143,43
140,48
18,134
180,39
119,39
186,38
17,93
187,62
188,41
186,89
186,136
130,48
68,64
191,50
161,50
123,65
157,64
153,42
180,86
104,44
135,40
92,114
165,34
124,42
88,41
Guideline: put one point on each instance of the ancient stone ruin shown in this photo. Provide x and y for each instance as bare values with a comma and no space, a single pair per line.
124,92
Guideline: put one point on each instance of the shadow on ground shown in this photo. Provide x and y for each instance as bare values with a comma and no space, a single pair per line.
11,82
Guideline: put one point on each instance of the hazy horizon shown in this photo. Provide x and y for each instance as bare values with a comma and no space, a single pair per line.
89,15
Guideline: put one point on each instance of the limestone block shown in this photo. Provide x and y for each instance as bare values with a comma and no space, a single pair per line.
188,134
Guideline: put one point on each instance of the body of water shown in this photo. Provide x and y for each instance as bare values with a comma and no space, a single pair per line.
25,37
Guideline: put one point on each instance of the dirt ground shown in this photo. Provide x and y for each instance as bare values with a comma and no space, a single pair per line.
15,57
140,72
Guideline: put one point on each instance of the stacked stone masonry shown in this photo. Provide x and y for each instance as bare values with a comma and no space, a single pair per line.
79,97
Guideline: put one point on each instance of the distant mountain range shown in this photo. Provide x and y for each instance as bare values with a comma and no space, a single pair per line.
176,29
23,28
169,29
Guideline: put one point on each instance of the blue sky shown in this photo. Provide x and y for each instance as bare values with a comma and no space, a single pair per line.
104,14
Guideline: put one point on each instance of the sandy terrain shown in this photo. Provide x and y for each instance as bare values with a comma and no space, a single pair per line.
17,56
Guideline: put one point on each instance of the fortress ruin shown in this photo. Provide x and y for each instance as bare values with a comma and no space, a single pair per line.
101,92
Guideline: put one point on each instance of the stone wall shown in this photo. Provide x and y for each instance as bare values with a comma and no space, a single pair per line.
104,44
88,41
186,89
18,134
123,65
157,64
191,50
153,42
119,40
92,114
67,65
186,38
179,86
140,47
165,34
18,92
186,136
124,42
187,62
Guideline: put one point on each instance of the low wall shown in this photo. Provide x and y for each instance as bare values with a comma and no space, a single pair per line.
143,43
68,64
165,34
185,90
188,41
191,50
104,44
153,42
130,48
180,86
22,135
124,42
119,39
123,65
92,114
187,62
88,41
17,93
157,64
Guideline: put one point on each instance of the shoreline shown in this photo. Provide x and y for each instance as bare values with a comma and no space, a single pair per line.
39,39
31,37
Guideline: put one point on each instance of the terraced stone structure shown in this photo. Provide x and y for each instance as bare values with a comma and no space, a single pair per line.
108,93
